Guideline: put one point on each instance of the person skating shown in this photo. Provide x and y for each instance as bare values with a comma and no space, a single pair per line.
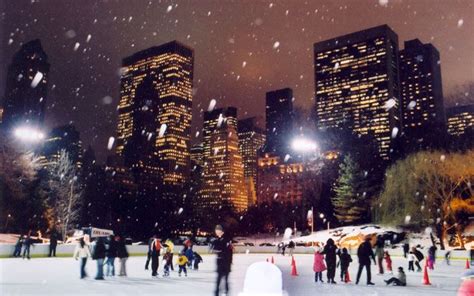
155,256
318,265
110,253
345,260
365,253
222,247
189,253
291,248
411,260
182,262
447,257
431,260
122,254
82,252
400,280
53,243
406,249
197,261
19,243
167,262
419,257
388,261
331,258
99,255
148,254
27,242
379,252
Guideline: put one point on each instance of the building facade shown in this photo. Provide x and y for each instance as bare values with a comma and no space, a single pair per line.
26,87
421,92
357,84
223,172
460,119
279,121
66,138
154,113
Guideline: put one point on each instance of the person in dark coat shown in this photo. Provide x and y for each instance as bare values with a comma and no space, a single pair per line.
53,243
379,252
122,254
155,256
419,257
345,260
365,253
222,246
27,242
19,243
110,253
197,260
406,249
99,255
330,250
188,252
148,254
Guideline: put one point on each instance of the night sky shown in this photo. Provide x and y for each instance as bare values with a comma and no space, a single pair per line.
242,48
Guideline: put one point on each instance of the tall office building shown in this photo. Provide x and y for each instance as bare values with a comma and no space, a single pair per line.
251,141
279,121
154,112
460,119
421,91
223,176
26,87
197,154
357,84
66,138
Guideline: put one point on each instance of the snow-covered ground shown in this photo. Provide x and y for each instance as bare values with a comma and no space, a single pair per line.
60,276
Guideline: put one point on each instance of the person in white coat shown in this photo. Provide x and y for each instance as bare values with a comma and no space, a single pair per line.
82,251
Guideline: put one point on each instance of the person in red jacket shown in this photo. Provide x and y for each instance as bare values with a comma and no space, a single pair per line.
318,266
388,261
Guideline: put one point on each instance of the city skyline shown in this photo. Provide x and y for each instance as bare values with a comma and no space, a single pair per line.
84,97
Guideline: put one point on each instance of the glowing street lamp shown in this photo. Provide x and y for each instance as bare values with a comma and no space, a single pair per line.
28,134
304,145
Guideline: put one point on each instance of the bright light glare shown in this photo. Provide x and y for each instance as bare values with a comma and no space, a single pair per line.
303,145
28,134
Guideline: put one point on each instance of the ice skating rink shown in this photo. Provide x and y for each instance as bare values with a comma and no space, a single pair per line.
60,276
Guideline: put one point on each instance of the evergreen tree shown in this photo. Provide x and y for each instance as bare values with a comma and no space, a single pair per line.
352,199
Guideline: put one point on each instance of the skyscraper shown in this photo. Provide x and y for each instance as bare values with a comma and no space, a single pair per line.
65,138
26,87
154,113
223,177
421,91
460,119
357,84
251,141
279,121
197,154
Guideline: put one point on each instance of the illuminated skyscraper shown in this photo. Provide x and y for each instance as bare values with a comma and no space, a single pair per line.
223,178
26,86
197,154
460,120
66,138
251,141
279,120
357,84
154,113
421,91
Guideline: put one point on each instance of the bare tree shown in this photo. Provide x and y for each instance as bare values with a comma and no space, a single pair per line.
65,193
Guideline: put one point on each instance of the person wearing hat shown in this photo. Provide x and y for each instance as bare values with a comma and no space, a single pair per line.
222,247
400,280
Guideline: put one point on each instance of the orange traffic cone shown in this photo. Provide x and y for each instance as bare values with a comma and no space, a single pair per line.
426,278
273,261
348,277
293,267
467,264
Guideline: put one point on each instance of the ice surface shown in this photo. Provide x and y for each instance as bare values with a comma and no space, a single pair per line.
60,276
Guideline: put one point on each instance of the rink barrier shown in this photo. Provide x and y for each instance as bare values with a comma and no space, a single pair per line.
42,250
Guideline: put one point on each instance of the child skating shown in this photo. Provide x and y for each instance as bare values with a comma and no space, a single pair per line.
345,260
388,261
182,261
318,266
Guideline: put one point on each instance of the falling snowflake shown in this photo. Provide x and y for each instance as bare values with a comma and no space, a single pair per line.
411,105
212,105
390,104
244,63
162,131
170,7
336,66
407,219
37,79
394,132
88,38
383,3
10,41
76,46
460,23
442,157
110,143
276,45
107,100
287,157
180,211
